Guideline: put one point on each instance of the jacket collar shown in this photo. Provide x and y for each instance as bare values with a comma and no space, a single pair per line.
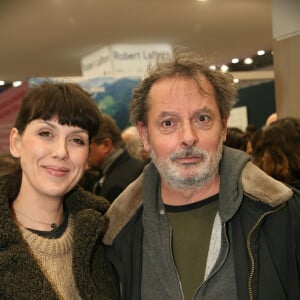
239,177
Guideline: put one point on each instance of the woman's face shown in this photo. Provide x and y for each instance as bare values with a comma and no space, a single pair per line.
53,157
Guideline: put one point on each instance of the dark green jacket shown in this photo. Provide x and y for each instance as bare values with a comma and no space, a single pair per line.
20,275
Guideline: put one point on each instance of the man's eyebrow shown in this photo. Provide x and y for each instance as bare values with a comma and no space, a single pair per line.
204,109
167,114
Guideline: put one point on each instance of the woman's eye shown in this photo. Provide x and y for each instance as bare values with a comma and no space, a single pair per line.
78,141
45,133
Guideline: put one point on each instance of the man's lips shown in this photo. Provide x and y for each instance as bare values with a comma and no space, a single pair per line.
189,159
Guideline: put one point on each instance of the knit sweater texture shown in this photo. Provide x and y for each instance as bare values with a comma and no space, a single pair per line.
54,257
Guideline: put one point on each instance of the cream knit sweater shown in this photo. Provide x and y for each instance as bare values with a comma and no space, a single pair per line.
54,257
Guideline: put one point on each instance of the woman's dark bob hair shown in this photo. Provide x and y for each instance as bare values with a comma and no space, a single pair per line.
67,102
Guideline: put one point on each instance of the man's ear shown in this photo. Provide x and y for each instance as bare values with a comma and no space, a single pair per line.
143,133
14,142
108,145
225,121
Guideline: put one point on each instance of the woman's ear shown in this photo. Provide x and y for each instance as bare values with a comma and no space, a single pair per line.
14,142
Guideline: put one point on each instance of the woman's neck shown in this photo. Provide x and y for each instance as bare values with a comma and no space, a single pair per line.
39,215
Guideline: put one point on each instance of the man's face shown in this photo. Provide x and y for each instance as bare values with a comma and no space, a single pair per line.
98,152
185,133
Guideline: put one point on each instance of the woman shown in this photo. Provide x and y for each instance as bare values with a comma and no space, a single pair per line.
51,229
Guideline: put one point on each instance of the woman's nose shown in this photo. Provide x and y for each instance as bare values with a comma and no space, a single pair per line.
60,150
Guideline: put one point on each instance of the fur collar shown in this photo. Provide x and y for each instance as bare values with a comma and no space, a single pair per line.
261,187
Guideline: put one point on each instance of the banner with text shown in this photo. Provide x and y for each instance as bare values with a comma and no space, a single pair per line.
122,60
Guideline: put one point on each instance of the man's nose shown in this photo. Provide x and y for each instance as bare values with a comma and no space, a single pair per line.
189,135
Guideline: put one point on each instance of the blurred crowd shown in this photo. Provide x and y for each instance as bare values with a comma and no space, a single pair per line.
275,147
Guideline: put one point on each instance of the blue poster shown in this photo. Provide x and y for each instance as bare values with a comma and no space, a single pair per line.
112,95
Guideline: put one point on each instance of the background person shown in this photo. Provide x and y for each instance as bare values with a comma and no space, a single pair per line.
116,168
236,138
271,118
202,222
51,229
277,151
134,146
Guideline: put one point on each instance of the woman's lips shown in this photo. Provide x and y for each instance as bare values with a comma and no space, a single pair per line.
56,171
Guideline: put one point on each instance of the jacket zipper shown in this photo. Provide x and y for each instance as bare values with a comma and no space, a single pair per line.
249,249
121,289
220,264
173,262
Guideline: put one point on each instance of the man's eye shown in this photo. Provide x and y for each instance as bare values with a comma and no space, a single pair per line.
203,121
168,126
167,123
204,118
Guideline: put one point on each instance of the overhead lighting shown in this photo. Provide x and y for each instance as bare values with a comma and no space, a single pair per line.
261,52
248,61
2,82
235,60
17,83
236,80
213,67
224,68
202,0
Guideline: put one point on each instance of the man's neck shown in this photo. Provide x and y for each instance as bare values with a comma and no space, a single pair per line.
173,196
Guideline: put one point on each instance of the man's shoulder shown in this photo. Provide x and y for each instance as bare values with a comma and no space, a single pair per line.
261,187
123,209
294,202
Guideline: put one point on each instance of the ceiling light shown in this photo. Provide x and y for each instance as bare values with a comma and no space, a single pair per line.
202,0
213,67
235,60
16,83
261,52
236,80
224,68
2,82
248,61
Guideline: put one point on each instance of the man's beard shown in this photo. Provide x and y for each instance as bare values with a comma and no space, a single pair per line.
193,175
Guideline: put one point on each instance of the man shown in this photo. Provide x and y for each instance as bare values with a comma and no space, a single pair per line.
115,167
202,222
131,138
